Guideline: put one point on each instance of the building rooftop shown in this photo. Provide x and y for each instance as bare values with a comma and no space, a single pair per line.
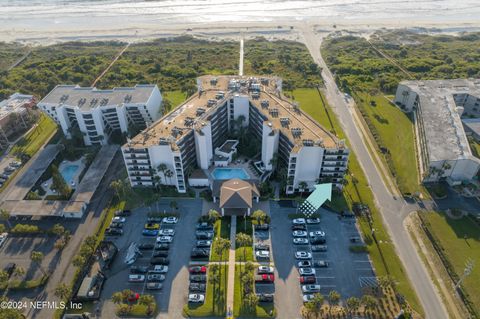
443,128
15,103
264,93
90,97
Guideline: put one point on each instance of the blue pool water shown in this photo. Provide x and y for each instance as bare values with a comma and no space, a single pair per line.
68,172
229,173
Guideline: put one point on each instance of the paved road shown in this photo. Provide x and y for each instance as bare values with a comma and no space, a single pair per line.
393,211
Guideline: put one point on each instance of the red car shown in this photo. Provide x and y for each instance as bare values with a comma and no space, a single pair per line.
308,279
266,278
198,269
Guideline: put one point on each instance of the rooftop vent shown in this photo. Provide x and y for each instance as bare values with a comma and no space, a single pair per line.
220,95
200,111
211,103
82,101
285,121
162,141
264,81
273,112
127,98
189,122
255,95
64,98
93,102
307,142
104,102
296,132
264,104
213,81
176,131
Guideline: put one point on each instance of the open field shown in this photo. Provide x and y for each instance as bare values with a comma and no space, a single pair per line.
384,257
10,53
459,241
32,142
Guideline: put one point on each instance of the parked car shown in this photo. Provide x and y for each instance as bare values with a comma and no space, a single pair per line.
265,297
262,254
298,221
265,278
317,233
138,269
159,261
154,219
306,271
161,253
303,255
299,227
260,246
300,241
123,213
113,232
313,221
311,288
203,235
170,220
265,270
158,269
355,239
197,287
164,239
8,170
262,227
320,264
299,233
150,232
197,269
155,278
308,279
318,247
15,164
196,298
3,238
152,226
146,246
116,225
204,226
198,278
307,298
200,253
154,286
4,176
318,240
118,219
162,246
136,278
166,232
204,243
304,263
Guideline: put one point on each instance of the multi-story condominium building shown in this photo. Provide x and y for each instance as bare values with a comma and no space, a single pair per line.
98,113
194,135
438,107
13,116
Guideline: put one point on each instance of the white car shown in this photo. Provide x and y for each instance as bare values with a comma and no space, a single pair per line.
306,271
318,233
262,254
118,219
311,288
3,238
303,255
164,239
304,263
166,232
265,270
313,220
136,278
170,220
300,241
159,269
298,221
299,233
196,298
307,298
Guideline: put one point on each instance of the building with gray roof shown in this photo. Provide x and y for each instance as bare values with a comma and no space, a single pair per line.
439,106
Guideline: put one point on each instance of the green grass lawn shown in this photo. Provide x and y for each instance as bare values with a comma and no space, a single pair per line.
262,310
222,229
460,240
215,301
175,98
240,256
393,126
32,142
384,257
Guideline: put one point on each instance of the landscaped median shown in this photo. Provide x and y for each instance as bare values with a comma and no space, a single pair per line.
222,230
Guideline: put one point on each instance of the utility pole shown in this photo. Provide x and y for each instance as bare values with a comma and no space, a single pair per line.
466,272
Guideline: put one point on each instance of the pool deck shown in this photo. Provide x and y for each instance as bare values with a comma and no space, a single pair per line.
81,167
234,165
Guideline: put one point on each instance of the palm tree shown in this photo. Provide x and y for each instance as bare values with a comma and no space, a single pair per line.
214,279
174,205
58,230
251,300
5,215
213,216
79,261
315,305
353,304
162,168
3,276
118,297
37,258
369,302
169,175
63,291
19,271
148,301
333,299
117,188
222,246
243,240
303,186
260,216
386,282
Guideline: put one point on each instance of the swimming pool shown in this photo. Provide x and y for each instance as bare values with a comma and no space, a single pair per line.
68,172
229,173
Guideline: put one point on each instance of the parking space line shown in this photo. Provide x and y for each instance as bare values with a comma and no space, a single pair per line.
327,286
320,277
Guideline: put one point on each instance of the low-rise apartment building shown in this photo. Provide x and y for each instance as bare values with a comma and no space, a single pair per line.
187,137
98,113
438,107
14,116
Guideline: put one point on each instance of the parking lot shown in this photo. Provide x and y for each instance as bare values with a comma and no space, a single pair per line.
173,295
346,272
262,237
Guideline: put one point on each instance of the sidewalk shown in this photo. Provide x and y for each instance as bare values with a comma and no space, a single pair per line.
231,268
